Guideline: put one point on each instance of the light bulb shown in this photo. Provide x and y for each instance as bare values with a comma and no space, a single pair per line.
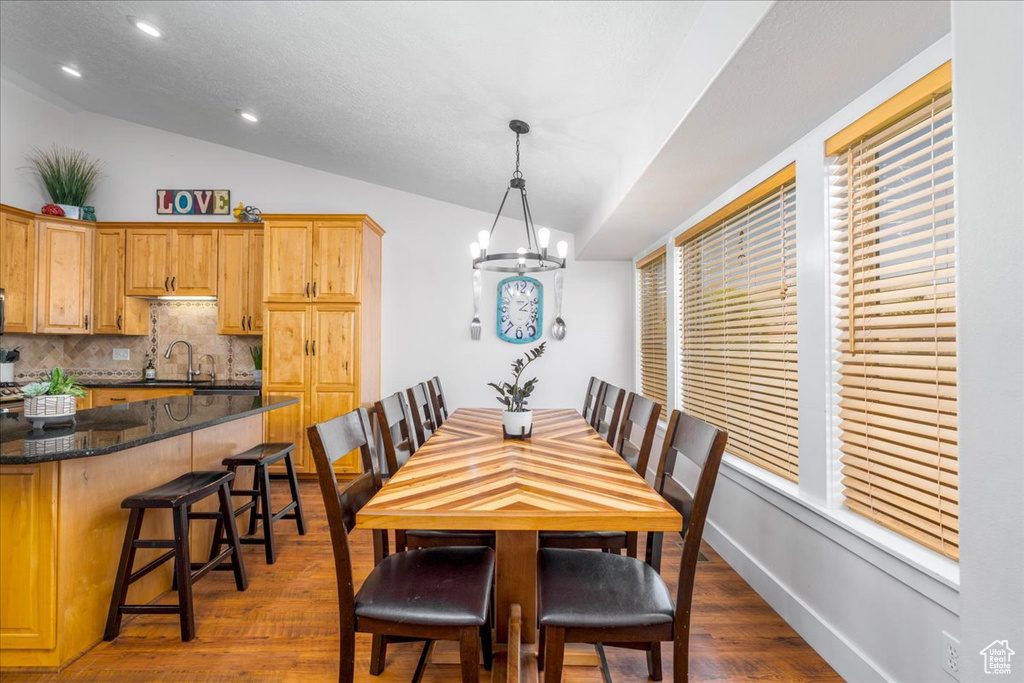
563,249
474,249
543,236
522,255
484,239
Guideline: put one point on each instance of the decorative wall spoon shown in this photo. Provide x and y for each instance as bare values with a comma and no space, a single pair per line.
558,329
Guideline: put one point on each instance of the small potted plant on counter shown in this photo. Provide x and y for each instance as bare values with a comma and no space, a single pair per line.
257,363
52,400
517,421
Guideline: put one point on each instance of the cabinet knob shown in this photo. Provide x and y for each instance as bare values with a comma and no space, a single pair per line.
314,347
243,322
173,286
307,347
314,290
307,290
167,286
86,321
250,323
119,321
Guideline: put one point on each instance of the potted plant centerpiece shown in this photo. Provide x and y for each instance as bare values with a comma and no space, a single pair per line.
517,421
53,399
69,176
256,352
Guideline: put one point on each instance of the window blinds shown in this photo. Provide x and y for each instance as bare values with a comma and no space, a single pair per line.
738,324
651,288
895,268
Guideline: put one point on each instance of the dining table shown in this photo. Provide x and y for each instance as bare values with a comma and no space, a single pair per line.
562,477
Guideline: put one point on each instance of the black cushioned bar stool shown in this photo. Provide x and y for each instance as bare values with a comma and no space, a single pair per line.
177,496
261,458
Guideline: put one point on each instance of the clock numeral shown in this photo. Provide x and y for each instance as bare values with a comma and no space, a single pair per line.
531,330
507,329
519,333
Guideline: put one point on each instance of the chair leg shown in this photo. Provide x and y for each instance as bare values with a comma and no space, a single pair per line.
183,573
399,540
378,653
681,658
654,662
293,484
421,665
227,513
124,570
631,543
542,638
469,654
267,513
254,513
488,648
554,652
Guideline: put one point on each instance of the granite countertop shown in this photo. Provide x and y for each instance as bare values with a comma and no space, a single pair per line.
169,383
99,431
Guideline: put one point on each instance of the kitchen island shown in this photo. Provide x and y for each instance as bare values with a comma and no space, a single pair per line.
61,522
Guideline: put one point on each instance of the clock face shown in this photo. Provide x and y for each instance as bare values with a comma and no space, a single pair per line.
520,309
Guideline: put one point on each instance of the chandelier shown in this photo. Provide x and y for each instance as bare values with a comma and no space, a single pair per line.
533,258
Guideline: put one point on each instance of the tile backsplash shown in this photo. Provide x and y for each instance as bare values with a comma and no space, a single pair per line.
91,356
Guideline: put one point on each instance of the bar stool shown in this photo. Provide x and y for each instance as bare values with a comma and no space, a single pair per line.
177,496
261,458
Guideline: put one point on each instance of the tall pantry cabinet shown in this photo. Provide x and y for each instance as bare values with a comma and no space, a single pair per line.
322,323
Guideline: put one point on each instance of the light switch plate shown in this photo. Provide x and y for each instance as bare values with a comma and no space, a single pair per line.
122,354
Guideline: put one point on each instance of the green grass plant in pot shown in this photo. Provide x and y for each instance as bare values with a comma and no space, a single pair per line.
256,352
69,175
53,399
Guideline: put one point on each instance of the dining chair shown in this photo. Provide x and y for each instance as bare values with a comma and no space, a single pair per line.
590,398
634,443
608,599
437,400
608,411
421,411
434,594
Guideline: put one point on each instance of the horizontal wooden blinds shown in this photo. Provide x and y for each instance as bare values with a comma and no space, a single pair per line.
896,274
738,328
651,287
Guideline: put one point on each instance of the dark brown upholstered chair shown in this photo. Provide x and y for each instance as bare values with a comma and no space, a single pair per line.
434,594
587,597
421,412
590,398
608,411
437,400
634,443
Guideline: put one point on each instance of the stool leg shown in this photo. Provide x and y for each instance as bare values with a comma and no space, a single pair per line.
183,573
293,484
254,513
227,513
124,570
267,514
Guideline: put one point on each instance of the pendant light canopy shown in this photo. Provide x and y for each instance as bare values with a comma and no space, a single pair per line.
532,258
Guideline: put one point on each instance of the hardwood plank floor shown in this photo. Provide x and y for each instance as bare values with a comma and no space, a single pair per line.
285,627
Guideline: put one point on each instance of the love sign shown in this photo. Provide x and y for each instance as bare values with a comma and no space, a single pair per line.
193,202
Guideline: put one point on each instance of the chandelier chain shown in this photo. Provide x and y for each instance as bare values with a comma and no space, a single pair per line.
518,173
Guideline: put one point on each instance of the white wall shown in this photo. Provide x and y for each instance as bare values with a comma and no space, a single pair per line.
427,297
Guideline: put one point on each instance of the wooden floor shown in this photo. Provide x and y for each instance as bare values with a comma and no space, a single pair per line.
285,628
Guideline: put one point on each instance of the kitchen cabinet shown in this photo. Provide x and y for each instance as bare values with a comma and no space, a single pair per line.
240,281
63,277
119,396
171,261
17,274
316,259
114,312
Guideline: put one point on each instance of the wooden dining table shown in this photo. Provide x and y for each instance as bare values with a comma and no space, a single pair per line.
564,477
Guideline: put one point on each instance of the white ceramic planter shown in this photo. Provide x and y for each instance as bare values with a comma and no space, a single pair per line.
516,423
43,410
257,376
71,211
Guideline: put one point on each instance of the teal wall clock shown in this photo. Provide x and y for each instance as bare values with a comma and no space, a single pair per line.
520,309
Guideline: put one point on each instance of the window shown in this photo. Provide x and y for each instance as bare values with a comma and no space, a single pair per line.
892,183
651,280
738,323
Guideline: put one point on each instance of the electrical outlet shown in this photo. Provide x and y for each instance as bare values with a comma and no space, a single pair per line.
122,354
951,655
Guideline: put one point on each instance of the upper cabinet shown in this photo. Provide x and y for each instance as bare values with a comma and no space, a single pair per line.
171,262
240,281
17,273
63,277
114,312
313,261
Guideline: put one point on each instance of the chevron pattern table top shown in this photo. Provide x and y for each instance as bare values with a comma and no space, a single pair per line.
566,477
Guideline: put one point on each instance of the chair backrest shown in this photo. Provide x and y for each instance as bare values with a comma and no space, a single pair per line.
590,398
636,434
438,401
330,441
396,436
422,413
702,444
608,411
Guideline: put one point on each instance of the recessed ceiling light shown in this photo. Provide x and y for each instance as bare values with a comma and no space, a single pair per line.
72,71
248,116
148,29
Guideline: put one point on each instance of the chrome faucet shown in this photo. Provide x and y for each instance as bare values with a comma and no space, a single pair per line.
190,373
213,366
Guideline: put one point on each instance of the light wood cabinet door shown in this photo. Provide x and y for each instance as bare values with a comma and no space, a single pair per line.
194,265
286,347
326,405
148,262
114,397
333,351
288,261
64,278
336,246
254,282
114,313
232,279
288,425
17,271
